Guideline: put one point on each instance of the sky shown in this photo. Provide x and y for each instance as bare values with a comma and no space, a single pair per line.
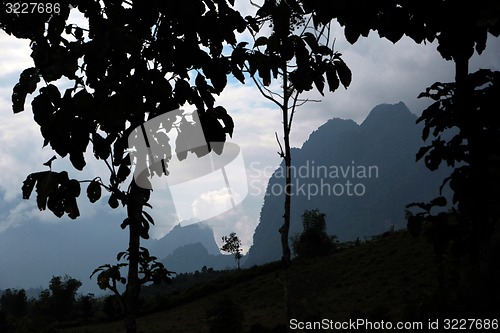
383,72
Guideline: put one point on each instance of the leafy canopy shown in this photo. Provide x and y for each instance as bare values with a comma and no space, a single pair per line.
134,61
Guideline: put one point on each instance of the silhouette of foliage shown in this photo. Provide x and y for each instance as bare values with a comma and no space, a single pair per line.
299,54
314,241
232,244
473,153
59,300
131,61
14,302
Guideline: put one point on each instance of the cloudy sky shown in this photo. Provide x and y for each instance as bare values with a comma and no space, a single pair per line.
382,73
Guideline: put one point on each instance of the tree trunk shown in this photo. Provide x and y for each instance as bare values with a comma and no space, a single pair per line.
481,227
135,203
285,228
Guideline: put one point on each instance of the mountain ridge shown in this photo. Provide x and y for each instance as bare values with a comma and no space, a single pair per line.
357,204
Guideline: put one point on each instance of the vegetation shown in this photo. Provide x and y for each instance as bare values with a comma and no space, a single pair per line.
232,244
391,276
134,61
299,55
57,304
314,241
138,59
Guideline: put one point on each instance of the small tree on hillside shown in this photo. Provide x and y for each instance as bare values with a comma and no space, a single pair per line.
232,244
314,241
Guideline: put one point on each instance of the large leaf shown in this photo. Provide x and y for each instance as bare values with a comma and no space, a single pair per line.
343,72
221,113
261,41
30,182
94,191
332,78
28,80
46,185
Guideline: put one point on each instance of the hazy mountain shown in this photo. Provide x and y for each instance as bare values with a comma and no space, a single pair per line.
180,236
194,256
360,176
189,248
34,251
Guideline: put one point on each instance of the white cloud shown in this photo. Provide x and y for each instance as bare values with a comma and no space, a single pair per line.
212,202
14,55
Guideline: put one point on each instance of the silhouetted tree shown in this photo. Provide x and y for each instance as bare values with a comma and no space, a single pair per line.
467,104
14,302
313,241
61,299
232,244
130,62
299,54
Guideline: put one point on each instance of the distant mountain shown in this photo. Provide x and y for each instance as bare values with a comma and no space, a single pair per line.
189,248
360,176
181,236
192,257
34,251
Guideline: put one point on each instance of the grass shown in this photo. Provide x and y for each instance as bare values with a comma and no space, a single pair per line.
384,278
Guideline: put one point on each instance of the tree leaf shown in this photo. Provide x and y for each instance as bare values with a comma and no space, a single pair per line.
439,201
123,172
319,82
94,191
29,183
332,78
28,81
71,207
261,41
113,201
72,188
77,159
311,41
148,217
124,224
344,73
101,146
46,184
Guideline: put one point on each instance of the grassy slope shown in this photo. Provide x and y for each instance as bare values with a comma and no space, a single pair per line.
382,279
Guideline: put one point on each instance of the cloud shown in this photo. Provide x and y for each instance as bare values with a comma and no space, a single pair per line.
14,55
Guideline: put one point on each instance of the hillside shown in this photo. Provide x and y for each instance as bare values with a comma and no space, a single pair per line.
360,176
387,278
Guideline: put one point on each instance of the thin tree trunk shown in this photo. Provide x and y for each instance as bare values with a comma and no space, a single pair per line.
136,200
285,228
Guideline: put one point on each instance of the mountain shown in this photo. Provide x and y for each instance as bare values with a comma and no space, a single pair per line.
180,236
35,250
194,256
360,176
189,248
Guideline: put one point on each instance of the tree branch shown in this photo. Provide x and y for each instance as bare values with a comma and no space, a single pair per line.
281,153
